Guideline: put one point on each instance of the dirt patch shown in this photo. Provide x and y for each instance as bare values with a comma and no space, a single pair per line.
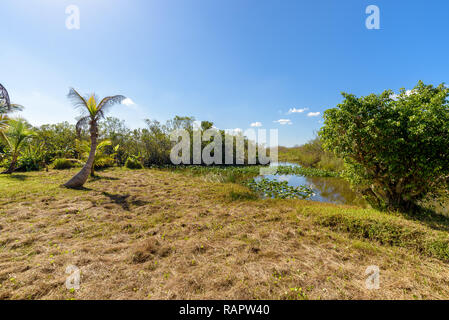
148,249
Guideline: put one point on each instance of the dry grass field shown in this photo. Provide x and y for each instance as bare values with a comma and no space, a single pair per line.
151,234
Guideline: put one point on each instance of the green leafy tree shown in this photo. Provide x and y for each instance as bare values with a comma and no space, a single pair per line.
93,111
59,140
395,147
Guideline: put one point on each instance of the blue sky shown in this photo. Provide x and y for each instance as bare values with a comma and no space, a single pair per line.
233,62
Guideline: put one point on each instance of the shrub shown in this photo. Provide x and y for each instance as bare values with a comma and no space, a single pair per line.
394,146
61,164
133,163
104,162
27,164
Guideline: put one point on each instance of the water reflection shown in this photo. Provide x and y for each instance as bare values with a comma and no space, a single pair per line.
333,190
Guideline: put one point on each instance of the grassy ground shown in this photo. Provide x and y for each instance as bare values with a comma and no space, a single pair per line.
311,155
153,234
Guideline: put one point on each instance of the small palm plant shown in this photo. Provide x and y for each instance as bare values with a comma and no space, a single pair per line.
92,112
17,136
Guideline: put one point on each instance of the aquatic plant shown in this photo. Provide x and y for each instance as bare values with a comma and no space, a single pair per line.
279,189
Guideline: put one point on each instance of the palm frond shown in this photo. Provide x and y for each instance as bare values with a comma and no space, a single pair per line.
5,138
103,144
83,121
19,132
15,107
108,102
4,120
77,100
5,108
89,104
4,98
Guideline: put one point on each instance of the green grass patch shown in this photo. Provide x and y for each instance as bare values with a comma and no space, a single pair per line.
386,229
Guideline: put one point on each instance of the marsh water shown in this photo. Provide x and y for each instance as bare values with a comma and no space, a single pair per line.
329,189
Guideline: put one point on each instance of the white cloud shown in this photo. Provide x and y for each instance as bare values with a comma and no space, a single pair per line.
283,121
313,114
128,102
294,110
395,96
236,131
256,124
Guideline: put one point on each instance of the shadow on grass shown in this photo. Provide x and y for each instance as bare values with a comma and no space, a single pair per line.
429,217
122,200
19,177
79,188
97,178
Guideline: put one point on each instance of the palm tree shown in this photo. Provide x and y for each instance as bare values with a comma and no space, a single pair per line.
17,136
92,113
6,107
100,154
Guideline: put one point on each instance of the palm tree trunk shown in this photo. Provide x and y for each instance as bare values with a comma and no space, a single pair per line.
81,177
12,166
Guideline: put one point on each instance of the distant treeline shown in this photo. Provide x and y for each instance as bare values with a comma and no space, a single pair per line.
150,145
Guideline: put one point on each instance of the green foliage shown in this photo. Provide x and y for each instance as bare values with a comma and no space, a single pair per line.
306,172
133,163
279,189
115,130
28,163
312,155
33,156
240,195
103,163
17,137
104,155
62,164
152,142
395,147
240,174
59,140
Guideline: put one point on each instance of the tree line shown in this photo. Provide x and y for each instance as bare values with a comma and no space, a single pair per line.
94,142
